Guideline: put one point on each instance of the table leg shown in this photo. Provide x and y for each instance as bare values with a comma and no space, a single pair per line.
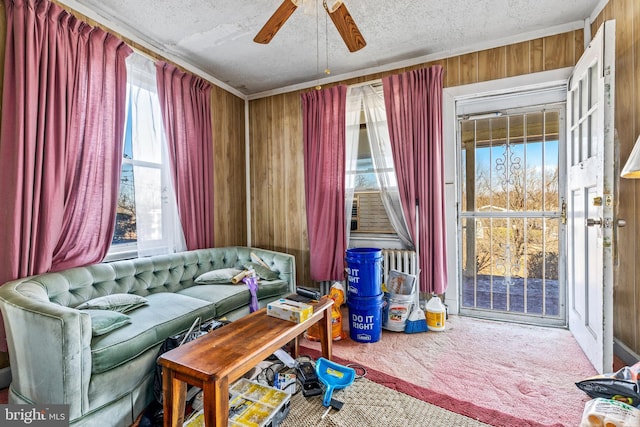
174,394
295,350
325,334
216,402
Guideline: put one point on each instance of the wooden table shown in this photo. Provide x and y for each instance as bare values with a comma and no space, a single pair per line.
219,358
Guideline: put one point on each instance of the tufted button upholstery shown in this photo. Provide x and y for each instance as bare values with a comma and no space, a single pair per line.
112,374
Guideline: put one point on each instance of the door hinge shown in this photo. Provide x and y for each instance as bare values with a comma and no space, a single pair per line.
563,212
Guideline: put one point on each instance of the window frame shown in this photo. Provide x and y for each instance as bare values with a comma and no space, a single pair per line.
169,216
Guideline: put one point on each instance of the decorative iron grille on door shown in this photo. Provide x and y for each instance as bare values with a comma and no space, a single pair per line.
511,216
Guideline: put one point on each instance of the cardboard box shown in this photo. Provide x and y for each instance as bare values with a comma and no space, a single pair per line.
293,311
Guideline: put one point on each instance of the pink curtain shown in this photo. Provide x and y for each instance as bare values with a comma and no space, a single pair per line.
185,101
61,140
324,129
413,102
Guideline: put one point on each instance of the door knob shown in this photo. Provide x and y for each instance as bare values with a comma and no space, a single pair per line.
622,223
592,222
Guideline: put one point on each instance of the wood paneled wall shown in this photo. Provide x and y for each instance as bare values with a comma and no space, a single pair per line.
278,214
229,158
277,169
626,294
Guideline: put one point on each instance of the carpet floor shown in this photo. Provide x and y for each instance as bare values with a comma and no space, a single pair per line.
526,372
366,403
511,371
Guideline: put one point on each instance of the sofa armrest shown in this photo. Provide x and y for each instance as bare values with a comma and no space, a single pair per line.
281,262
49,347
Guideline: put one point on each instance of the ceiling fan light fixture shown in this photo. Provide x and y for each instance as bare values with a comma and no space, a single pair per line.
331,5
277,20
336,9
309,7
345,25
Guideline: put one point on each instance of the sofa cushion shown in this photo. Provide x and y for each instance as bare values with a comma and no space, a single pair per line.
115,302
228,298
104,321
221,275
166,314
262,271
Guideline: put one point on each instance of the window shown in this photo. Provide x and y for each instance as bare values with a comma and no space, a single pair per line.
376,215
146,217
368,212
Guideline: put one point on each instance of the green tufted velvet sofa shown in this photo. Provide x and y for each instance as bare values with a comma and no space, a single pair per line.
107,380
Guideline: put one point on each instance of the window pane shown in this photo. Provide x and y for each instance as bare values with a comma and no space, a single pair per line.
125,230
551,165
534,176
149,203
370,212
146,131
501,165
468,149
128,148
366,178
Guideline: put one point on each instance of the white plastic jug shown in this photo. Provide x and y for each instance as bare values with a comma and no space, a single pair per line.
436,314
601,412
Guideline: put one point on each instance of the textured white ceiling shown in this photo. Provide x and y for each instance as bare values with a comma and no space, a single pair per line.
216,36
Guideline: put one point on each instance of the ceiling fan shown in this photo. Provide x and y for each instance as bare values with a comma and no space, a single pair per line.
338,12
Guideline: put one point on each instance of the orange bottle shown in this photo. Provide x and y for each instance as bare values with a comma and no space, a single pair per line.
337,295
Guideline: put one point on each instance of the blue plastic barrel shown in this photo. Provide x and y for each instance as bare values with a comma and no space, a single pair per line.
365,318
364,272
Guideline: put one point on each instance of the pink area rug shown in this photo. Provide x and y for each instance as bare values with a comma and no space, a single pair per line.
499,373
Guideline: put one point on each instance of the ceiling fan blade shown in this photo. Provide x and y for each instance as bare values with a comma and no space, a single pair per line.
346,26
276,21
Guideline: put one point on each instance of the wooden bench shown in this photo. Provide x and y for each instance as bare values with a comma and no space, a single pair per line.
219,358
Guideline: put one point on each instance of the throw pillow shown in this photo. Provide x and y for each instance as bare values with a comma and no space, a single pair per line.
216,277
262,271
122,303
103,321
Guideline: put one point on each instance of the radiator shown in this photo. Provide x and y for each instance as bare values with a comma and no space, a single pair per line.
325,286
400,260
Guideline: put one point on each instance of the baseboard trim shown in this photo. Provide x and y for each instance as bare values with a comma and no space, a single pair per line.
627,355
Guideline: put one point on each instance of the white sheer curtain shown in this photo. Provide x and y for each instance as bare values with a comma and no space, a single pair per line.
372,101
353,113
157,225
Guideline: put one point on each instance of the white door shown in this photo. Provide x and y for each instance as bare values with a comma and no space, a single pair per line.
590,191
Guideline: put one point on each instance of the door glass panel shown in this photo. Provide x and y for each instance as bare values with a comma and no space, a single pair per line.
467,137
551,161
534,171
510,216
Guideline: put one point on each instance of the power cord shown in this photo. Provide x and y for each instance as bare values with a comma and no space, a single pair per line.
268,375
361,371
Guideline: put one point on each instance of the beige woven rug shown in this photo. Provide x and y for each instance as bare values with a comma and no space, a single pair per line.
369,404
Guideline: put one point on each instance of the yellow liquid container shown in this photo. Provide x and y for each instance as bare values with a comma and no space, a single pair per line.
436,314
337,294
